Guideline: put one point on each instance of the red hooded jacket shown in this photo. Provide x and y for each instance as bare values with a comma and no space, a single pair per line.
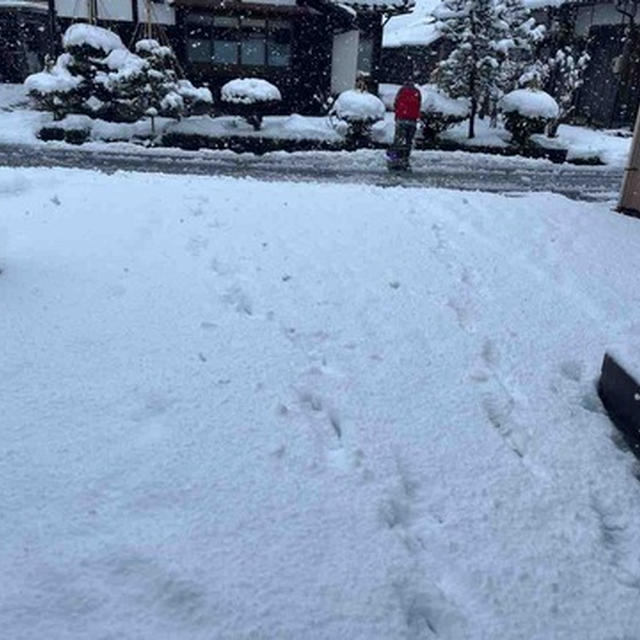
407,104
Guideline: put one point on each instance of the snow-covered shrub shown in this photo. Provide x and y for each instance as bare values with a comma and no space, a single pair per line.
250,98
360,110
69,85
99,77
166,93
439,111
527,111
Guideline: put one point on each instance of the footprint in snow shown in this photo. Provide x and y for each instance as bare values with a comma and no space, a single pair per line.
239,299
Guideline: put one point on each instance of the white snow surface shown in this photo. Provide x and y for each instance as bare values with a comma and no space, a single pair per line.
103,39
234,409
436,101
531,103
59,79
20,125
415,28
293,127
250,91
354,105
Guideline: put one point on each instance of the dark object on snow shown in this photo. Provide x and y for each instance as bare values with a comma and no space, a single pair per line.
62,134
620,394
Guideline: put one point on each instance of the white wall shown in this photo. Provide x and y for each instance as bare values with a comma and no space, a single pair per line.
115,10
344,61
161,11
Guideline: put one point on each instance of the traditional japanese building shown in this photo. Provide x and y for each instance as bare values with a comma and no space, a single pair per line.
23,38
607,29
310,49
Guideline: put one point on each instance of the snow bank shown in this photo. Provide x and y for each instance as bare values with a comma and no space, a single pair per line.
249,91
583,143
98,38
293,127
13,96
294,411
435,101
356,105
530,103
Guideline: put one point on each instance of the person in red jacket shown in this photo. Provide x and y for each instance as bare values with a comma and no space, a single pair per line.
407,112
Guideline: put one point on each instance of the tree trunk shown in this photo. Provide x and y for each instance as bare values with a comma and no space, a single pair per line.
474,105
472,118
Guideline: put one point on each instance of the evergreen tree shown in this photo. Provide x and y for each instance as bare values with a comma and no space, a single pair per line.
518,37
98,76
565,75
471,70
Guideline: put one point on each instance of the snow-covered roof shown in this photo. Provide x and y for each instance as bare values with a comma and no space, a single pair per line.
416,28
31,5
382,6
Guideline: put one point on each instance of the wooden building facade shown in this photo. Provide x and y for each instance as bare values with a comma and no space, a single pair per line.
23,38
310,49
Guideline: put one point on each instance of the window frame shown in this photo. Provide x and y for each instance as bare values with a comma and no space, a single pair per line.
201,26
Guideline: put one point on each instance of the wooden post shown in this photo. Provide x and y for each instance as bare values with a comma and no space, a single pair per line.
93,11
630,194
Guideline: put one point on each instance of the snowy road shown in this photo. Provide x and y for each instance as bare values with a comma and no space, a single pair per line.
462,171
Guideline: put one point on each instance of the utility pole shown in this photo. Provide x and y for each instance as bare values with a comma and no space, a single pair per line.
630,193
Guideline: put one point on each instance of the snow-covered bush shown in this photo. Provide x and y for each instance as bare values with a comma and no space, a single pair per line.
69,85
439,111
167,94
527,111
250,98
99,77
360,110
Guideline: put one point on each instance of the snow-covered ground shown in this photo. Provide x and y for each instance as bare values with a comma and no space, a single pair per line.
234,409
20,125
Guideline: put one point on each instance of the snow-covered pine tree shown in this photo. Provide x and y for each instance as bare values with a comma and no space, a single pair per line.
518,37
69,86
167,93
99,77
565,75
471,70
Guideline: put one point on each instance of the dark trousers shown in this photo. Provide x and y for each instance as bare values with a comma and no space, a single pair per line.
403,141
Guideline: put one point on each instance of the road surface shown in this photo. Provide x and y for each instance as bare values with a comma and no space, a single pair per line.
431,169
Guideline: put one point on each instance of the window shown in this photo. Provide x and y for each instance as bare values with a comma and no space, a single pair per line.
225,52
230,40
279,43
199,50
